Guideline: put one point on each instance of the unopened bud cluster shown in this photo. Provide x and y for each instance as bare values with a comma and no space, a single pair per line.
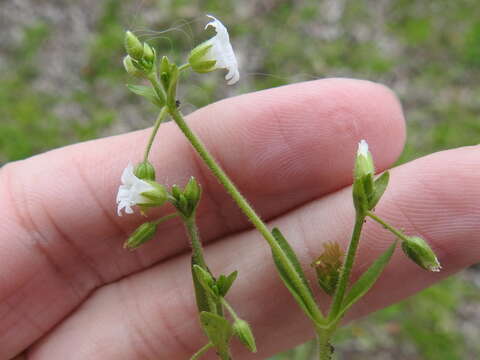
141,58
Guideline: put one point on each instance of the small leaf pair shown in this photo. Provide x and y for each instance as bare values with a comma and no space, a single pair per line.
187,199
216,288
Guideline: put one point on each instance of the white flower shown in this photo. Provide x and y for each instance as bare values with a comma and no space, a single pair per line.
130,192
362,148
215,53
222,51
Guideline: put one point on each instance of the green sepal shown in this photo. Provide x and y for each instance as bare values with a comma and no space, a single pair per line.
147,92
243,331
366,281
197,61
141,235
145,171
148,53
380,185
133,46
205,66
186,200
198,53
130,67
219,331
158,196
164,65
360,198
421,253
286,262
224,283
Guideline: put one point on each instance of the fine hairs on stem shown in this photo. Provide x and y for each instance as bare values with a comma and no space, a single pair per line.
333,267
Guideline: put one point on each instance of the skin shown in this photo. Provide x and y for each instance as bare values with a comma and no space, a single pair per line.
69,291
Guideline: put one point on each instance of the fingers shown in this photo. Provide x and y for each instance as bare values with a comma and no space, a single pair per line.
152,314
283,147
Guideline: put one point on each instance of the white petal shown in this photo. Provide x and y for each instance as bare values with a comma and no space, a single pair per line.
362,148
130,191
128,177
222,51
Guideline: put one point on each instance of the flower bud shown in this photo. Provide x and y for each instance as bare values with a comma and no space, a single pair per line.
186,200
244,333
130,67
363,184
148,53
133,46
363,163
145,171
193,192
421,253
141,235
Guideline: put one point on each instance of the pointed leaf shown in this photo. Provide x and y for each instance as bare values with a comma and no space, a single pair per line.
224,283
219,331
366,281
201,295
381,184
206,280
292,274
147,92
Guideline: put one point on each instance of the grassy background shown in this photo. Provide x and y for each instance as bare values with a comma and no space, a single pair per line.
61,81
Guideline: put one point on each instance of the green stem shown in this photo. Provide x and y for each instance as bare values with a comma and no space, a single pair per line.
197,250
204,301
202,351
323,344
229,308
161,116
244,206
183,67
157,87
165,218
387,226
347,267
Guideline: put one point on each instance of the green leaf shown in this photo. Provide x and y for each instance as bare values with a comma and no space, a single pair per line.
206,280
366,281
201,295
147,92
224,283
380,186
219,331
292,274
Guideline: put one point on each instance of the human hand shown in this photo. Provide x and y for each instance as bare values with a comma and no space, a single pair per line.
69,291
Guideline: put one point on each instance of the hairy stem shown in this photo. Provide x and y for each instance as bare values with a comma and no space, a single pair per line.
347,267
229,308
183,67
387,226
161,117
323,344
197,250
244,206
202,351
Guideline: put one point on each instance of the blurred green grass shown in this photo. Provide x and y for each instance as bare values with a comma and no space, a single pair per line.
427,52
